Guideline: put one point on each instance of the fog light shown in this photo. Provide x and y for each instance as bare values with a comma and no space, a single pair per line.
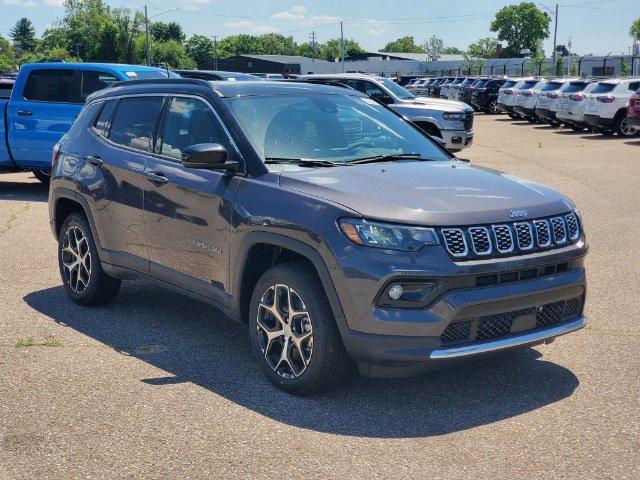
396,291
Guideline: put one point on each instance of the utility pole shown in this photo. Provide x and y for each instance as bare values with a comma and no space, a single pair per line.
215,52
555,34
313,45
342,47
146,29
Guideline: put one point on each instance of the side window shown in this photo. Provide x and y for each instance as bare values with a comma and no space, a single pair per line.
134,122
50,85
634,86
189,121
103,123
93,81
84,121
370,89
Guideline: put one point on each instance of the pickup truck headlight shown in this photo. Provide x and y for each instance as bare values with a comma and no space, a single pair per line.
454,116
387,235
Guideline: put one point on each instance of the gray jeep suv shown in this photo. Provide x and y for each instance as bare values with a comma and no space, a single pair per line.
339,232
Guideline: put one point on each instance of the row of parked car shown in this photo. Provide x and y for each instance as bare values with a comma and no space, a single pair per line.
603,105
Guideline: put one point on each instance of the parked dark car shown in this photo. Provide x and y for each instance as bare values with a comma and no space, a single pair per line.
331,226
484,96
465,90
434,90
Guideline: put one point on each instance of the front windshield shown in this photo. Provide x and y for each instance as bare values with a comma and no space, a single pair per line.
334,128
396,89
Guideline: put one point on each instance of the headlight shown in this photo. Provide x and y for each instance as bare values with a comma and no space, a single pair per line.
454,116
387,235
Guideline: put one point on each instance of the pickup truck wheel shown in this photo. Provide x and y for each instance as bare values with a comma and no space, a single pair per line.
293,333
82,275
624,129
42,175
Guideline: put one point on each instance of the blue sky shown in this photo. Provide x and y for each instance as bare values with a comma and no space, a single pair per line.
595,26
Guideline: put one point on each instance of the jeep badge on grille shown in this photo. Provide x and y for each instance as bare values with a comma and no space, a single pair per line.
517,213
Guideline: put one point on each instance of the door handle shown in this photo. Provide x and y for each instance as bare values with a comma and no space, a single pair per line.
25,113
95,160
157,178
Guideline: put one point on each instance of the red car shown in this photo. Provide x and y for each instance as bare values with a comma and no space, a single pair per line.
633,115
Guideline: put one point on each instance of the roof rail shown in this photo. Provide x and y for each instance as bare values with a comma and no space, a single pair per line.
151,81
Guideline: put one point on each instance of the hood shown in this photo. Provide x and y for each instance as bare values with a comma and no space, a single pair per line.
436,104
427,193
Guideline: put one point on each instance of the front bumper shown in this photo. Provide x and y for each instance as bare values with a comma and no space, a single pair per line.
457,139
598,121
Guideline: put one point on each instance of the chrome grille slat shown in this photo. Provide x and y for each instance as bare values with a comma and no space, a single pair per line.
504,238
455,242
524,235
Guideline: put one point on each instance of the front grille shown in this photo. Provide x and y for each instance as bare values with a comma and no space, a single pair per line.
455,242
499,325
468,121
515,238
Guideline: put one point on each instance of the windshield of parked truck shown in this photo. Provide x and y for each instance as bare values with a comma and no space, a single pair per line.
396,89
329,128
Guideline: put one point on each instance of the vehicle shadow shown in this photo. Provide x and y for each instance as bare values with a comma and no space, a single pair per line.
24,191
193,343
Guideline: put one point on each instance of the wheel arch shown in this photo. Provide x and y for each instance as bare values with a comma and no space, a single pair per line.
65,202
259,251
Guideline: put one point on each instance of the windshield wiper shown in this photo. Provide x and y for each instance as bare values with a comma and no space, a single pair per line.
387,158
310,162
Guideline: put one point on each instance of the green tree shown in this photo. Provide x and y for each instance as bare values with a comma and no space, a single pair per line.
173,54
200,48
8,57
625,68
522,26
469,62
634,31
24,35
483,48
331,49
452,51
53,38
163,32
403,45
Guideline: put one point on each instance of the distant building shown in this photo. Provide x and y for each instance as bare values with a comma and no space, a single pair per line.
285,64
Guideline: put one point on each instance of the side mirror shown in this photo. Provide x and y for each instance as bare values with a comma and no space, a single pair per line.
208,156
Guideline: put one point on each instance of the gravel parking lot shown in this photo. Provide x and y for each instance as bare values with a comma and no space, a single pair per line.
155,385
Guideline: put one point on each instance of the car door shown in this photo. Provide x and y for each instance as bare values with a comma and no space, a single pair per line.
113,176
46,111
188,211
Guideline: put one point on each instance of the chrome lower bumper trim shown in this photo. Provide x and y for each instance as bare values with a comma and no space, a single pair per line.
492,346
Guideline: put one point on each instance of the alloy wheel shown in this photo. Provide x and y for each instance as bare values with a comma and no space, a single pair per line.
76,259
285,331
626,129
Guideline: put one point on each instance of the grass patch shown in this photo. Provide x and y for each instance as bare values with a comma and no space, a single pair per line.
25,343
49,341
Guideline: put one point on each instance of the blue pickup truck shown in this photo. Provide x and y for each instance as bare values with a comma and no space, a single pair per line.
45,100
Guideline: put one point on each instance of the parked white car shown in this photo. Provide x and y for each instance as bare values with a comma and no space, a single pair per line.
418,87
507,96
527,98
571,103
606,106
454,89
547,104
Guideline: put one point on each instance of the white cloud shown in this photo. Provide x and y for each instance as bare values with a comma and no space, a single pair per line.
54,3
294,13
324,18
11,2
239,24
376,32
30,4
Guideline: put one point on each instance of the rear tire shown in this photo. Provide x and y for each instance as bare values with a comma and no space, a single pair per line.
623,128
83,278
43,176
299,352
492,107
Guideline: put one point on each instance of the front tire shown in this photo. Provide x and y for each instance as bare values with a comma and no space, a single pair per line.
42,175
492,107
293,333
83,278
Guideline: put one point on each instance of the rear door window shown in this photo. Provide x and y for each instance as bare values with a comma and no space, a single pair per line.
103,123
134,122
93,81
50,85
